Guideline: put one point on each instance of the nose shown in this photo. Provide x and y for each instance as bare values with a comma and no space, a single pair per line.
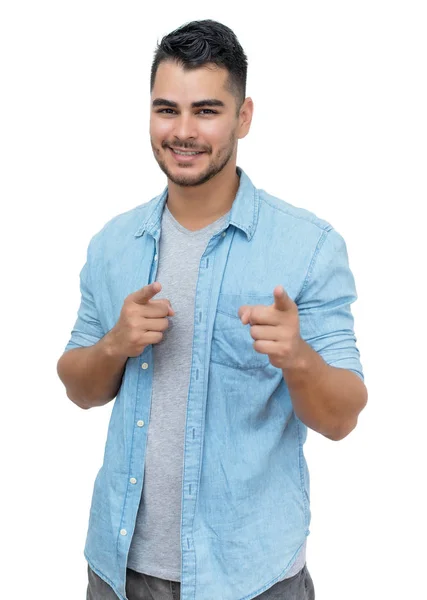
185,127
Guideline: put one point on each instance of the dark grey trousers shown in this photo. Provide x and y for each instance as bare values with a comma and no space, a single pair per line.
146,587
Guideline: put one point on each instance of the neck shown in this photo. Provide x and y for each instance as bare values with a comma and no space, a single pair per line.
196,207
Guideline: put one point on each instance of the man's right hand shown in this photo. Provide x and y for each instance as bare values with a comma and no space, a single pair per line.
142,322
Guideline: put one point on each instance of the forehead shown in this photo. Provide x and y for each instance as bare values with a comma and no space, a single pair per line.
186,86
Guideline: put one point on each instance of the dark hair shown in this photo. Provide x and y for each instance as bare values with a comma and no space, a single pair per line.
200,42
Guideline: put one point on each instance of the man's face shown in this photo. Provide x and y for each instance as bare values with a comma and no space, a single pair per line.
192,111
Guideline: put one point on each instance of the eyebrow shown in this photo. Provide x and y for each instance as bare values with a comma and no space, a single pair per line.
198,104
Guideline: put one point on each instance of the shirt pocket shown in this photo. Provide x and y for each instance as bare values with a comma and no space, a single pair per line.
232,343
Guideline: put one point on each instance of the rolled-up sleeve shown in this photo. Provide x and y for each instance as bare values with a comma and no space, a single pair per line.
326,321
87,329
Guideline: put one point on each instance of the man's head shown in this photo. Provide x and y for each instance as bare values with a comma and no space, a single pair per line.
198,87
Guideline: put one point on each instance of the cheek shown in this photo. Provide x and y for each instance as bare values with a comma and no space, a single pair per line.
220,137
160,131
214,131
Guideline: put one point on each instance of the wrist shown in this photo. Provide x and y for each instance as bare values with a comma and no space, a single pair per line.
109,346
306,363
301,359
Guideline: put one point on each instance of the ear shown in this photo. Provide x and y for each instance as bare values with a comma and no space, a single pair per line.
245,118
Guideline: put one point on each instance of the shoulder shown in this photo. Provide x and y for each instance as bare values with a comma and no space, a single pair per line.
122,226
293,215
301,229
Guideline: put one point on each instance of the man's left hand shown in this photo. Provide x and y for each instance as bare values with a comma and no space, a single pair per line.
275,329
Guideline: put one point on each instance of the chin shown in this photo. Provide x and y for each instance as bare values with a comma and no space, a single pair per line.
187,180
186,175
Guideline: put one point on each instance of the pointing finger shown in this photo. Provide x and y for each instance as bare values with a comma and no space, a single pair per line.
281,299
145,294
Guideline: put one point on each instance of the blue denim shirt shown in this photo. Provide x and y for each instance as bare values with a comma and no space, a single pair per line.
245,493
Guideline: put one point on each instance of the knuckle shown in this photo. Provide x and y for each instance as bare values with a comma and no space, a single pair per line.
134,338
129,310
256,313
125,308
129,301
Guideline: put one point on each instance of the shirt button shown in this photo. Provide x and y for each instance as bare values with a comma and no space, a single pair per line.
223,234
132,480
144,366
140,423
155,258
123,532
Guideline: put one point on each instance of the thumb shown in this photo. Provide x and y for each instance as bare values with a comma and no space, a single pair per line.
244,313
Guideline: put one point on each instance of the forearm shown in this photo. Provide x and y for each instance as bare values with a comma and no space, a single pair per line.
327,399
92,375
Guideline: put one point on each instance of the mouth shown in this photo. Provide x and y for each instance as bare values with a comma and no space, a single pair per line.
185,155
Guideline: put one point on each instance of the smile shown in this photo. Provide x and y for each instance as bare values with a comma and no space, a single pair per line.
181,157
181,153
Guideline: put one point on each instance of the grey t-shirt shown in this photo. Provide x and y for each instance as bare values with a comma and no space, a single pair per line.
156,543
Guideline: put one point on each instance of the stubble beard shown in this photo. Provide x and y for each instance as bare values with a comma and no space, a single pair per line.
211,170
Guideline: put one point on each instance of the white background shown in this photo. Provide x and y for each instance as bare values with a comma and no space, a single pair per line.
340,129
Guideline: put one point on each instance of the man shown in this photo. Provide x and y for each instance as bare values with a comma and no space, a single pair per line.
219,318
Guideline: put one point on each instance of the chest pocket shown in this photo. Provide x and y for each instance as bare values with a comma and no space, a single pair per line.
232,343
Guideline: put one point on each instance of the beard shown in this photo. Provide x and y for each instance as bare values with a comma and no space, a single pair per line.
215,166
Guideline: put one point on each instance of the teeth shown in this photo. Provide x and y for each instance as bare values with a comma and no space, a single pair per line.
186,153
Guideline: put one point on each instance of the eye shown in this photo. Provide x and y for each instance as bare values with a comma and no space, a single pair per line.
170,111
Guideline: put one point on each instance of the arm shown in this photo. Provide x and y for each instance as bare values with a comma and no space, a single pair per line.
326,384
89,369
93,363
325,398
92,375
313,342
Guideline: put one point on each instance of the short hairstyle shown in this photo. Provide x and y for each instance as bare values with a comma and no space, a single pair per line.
201,42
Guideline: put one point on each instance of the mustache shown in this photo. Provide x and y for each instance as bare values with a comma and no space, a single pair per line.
184,146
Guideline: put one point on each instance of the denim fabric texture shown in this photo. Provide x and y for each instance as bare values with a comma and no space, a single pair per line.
246,491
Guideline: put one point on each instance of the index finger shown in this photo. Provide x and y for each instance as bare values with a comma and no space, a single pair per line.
282,301
145,294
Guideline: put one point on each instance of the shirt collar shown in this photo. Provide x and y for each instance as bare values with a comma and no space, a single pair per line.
243,213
